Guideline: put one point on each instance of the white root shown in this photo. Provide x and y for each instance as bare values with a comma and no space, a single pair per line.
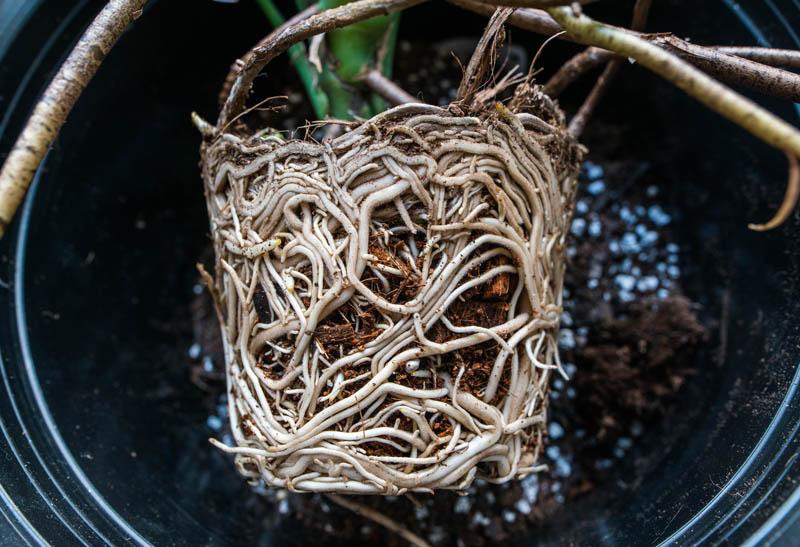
346,272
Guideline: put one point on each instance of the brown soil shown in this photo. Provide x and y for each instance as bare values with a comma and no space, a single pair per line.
634,363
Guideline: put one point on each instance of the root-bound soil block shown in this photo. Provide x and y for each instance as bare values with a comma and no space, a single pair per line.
390,298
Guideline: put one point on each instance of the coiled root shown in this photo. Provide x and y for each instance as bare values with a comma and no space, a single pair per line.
390,298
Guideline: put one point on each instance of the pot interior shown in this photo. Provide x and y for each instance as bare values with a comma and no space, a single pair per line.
102,273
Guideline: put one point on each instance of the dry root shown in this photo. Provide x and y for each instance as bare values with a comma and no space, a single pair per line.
390,299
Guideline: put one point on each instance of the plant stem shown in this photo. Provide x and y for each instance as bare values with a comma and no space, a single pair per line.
355,47
57,101
540,4
272,46
737,66
574,68
716,96
386,59
339,98
788,58
387,89
578,123
355,50
299,59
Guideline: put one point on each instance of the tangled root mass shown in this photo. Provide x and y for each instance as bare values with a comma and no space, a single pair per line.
390,298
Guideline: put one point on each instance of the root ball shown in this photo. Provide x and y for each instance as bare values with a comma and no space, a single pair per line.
390,298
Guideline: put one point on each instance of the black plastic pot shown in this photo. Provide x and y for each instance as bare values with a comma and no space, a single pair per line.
104,439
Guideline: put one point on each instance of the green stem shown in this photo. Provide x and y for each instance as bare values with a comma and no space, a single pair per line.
337,91
386,59
355,47
338,96
299,59
359,48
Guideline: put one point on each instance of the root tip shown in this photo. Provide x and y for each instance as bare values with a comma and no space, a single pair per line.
759,227
205,128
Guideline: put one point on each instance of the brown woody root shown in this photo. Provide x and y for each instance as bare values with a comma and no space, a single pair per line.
735,70
376,81
576,67
640,12
578,122
380,519
55,105
787,58
742,111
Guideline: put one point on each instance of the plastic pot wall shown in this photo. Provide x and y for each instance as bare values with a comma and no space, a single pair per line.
104,439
